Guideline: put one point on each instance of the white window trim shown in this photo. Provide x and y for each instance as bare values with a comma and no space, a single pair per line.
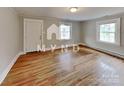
70,31
117,33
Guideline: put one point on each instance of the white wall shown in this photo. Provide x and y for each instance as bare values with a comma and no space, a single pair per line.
88,35
48,21
9,37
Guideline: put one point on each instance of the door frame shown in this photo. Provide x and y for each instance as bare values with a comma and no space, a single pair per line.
24,31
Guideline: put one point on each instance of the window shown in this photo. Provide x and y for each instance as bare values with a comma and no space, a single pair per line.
65,31
109,31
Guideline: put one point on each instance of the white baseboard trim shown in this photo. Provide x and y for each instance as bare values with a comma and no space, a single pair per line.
106,51
58,47
82,44
8,68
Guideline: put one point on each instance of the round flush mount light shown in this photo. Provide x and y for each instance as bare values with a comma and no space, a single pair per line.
73,9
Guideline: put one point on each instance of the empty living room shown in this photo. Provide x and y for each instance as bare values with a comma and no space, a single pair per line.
61,46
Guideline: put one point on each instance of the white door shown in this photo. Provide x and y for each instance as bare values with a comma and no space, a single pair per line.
32,34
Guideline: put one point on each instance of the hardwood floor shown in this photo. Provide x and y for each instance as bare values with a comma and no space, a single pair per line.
85,67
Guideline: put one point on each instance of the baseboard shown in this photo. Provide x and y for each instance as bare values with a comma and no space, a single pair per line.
5,72
104,51
59,47
49,49
8,68
82,44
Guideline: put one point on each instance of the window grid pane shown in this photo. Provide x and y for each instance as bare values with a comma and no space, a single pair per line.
107,32
65,31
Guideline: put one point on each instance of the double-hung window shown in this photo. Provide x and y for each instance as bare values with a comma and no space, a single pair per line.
65,31
109,31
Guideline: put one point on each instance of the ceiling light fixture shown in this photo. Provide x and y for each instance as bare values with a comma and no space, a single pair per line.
73,9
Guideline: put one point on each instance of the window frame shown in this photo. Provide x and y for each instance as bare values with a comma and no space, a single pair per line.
65,23
117,30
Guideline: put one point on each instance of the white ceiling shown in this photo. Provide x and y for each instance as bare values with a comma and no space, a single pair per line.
83,13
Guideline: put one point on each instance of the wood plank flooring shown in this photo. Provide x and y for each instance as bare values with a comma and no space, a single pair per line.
85,67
